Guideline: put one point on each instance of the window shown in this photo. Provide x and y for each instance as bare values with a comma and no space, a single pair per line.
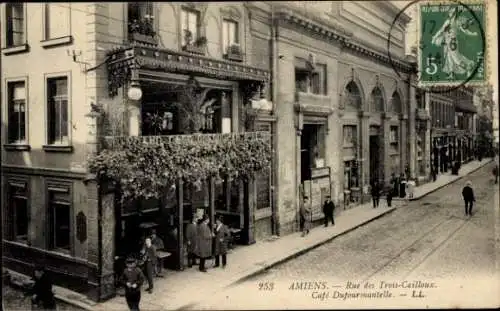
310,80
394,135
57,90
18,201
396,103
140,18
15,24
60,218
17,112
230,34
349,135
57,20
190,26
377,101
352,96
351,179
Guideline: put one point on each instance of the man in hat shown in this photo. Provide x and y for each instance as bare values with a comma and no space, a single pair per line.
132,278
204,242
42,290
468,195
305,216
158,244
328,208
149,260
191,241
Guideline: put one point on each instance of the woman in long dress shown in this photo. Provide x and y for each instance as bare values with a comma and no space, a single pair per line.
454,62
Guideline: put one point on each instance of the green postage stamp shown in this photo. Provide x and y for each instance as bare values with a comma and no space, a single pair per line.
452,45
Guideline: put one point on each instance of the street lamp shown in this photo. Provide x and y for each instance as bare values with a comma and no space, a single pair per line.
134,91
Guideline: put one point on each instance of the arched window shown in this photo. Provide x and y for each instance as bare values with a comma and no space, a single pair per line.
396,103
377,100
352,97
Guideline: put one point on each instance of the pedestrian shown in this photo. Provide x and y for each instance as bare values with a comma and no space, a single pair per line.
158,244
132,279
305,215
42,290
328,210
222,235
149,260
204,242
191,241
495,173
469,199
389,195
375,192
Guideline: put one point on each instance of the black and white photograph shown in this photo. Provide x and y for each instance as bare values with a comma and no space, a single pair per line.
249,155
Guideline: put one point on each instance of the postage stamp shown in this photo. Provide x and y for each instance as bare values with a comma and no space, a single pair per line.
452,43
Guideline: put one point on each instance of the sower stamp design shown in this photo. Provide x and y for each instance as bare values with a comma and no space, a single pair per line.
452,43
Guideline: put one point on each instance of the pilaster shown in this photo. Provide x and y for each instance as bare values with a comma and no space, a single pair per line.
365,151
411,158
405,140
386,143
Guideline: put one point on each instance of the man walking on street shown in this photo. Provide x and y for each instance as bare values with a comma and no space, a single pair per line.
132,279
305,215
328,209
375,193
468,195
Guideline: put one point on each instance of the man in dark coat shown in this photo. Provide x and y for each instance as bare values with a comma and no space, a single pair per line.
221,242
204,242
495,173
149,260
468,195
132,279
42,290
375,192
328,209
191,242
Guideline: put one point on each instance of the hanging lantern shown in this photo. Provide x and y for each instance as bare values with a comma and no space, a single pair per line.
134,91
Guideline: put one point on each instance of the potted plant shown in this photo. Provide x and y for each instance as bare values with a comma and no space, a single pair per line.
198,46
234,52
142,30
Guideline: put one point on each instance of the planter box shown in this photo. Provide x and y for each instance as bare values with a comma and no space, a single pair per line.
144,39
195,49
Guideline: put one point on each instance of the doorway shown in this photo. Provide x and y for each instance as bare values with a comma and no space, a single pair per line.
375,165
311,149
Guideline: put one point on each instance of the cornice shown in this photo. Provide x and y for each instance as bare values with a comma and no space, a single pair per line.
336,35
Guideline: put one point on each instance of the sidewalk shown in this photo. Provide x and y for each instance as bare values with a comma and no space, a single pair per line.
447,178
183,289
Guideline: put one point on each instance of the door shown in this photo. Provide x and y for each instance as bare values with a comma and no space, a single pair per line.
375,167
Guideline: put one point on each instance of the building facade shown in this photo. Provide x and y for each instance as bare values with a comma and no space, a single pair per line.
74,73
346,117
314,77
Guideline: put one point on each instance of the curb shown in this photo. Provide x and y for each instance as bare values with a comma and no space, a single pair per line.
292,256
452,181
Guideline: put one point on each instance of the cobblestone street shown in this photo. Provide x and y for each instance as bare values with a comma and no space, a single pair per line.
429,240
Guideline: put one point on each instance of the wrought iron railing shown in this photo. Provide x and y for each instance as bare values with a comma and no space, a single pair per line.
118,142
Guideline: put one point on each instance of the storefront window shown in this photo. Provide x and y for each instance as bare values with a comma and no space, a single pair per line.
351,179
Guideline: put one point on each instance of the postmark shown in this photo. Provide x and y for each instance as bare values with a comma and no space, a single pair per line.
451,44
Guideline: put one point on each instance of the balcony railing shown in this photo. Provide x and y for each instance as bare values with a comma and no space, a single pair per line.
119,142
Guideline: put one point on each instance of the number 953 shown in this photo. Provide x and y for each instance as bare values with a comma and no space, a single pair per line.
269,286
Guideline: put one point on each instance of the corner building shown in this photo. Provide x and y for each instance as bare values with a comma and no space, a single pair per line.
344,113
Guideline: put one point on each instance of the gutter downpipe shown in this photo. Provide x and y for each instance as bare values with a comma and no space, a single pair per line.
274,97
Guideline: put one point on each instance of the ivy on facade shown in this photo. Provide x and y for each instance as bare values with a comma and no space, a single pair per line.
146,169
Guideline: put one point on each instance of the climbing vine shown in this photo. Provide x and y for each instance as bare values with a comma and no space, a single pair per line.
145,169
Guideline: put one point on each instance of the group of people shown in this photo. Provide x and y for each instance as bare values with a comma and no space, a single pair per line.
202,243
305,214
